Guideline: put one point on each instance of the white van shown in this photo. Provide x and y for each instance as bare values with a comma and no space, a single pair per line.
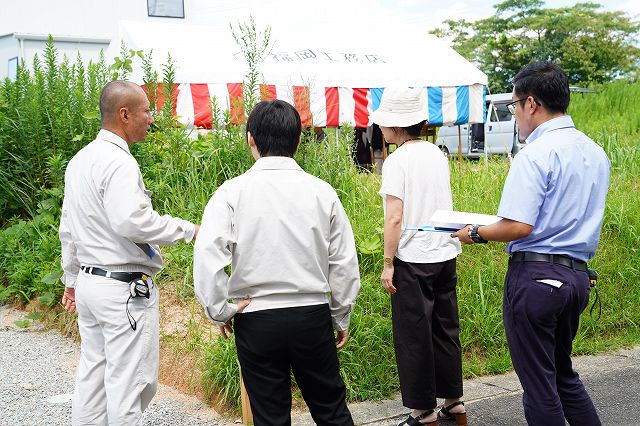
498,134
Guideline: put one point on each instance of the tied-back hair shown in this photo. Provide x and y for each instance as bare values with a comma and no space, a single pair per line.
414,130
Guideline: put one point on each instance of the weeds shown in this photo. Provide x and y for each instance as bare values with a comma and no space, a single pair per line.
255,45
45,113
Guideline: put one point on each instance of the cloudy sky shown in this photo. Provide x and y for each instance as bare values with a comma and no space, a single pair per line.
330,18
425,12
372,14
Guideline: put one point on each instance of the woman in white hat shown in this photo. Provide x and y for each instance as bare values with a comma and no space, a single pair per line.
419,267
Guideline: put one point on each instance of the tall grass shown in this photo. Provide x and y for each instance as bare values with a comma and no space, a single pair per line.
40,117
51,111
612,111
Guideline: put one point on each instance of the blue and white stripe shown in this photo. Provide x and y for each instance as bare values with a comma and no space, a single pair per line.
448,106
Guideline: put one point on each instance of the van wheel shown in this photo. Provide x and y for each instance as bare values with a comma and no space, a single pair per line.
444,150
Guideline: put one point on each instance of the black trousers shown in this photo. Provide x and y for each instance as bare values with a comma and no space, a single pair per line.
273,342
541,321
426,331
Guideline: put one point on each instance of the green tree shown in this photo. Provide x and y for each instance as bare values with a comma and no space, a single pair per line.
590,44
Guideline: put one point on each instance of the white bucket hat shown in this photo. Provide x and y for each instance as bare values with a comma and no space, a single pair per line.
401,107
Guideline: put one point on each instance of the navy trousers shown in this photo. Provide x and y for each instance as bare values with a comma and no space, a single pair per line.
541,320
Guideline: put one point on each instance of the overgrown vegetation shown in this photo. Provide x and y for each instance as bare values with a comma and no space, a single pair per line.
255,45
48,114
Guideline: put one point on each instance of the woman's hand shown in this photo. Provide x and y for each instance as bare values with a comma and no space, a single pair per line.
341,338
392,232
387,279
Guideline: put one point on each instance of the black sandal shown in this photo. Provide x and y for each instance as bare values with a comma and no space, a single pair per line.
460,418
415,421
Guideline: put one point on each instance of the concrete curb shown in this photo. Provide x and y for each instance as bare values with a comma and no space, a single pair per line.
389,412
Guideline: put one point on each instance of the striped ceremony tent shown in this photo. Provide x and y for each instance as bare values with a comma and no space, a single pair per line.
330,82
326,106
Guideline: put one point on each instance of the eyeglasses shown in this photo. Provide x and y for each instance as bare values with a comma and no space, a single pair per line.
511,106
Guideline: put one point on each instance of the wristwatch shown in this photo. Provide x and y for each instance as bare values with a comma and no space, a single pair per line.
388,260
475,237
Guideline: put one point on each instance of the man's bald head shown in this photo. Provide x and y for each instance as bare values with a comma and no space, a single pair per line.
124,108
116,95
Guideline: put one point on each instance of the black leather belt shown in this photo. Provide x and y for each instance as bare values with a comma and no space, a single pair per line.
120,276
558,259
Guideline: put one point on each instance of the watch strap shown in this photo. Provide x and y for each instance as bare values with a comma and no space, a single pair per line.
475,237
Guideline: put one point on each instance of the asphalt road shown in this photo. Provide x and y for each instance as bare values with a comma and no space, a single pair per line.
614,393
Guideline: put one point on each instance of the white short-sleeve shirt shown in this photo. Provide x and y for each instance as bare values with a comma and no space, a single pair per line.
418,174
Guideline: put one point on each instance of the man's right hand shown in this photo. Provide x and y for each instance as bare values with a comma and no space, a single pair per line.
195,233
69,299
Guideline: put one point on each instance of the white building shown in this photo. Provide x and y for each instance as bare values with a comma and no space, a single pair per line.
85,26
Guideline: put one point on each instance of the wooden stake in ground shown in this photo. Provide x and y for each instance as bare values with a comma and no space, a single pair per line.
247,416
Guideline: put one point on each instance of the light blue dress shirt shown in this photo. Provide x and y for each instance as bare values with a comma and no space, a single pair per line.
558,184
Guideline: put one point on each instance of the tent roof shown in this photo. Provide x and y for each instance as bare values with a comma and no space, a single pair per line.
331,75
360,57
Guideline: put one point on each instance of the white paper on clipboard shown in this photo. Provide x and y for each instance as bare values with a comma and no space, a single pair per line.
450,220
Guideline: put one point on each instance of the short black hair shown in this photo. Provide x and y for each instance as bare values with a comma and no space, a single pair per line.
275,127
546,82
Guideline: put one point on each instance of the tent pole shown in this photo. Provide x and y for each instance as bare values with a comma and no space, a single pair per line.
459,145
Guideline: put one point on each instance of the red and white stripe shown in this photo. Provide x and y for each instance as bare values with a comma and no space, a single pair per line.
317,106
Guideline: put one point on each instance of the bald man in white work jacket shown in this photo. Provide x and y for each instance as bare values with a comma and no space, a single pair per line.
110,235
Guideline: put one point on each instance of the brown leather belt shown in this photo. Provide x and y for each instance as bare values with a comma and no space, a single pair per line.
557,259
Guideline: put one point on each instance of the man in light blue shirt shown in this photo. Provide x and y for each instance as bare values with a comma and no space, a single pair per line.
551,208
558,184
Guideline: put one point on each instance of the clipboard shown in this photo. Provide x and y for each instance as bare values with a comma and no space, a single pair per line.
451,221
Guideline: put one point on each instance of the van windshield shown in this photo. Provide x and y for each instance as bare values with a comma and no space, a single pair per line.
501,113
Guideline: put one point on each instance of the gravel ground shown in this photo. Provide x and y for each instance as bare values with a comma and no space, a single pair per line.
37,370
